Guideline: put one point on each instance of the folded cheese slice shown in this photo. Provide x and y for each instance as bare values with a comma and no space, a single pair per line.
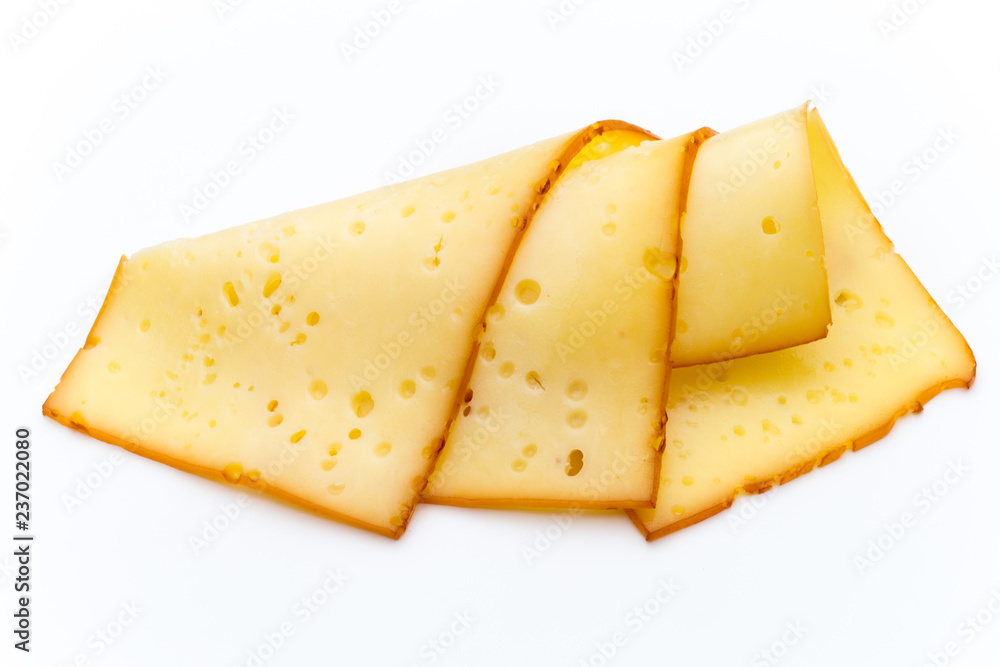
315,355
752,277
565,403
742,426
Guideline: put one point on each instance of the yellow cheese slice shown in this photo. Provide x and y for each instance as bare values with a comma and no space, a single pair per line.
315,355
565,403
743,426
752,278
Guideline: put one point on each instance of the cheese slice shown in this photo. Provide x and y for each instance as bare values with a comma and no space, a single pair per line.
752,277
315,355
565,403
742,426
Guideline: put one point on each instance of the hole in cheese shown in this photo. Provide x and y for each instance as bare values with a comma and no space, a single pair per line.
575,463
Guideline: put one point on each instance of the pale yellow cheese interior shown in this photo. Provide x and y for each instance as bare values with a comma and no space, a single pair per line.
565,401
744,425
317,354
752,277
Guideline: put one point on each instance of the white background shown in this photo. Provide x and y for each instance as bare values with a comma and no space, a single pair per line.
884,97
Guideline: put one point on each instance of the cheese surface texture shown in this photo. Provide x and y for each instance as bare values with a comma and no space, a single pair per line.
564,405
745,425
315,355
752,278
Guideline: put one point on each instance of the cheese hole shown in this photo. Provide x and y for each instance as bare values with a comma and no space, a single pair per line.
496,312
407,388
447,216
428,373
209,378
268,251
113,367
431,263
354,433
233,472
740,396
518,465
382,449
317,389
770,225
335,489
274,420
211,423
407,211
92,342
273,282
272,405
576,390
468,396
796,419
527,292
356,228
777,163
253,474
847,299
362,404
298,435
677,510
739,430
483,413
312,319
782,400
884,320
300,338
506,369
230,292
534,382
488,352
682,327
334,449
576,419
575,463
467,411
144,326
428,452
687,480
328,464
609,229
529,451
396,521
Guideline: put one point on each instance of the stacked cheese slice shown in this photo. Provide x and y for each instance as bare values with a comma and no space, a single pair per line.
522,310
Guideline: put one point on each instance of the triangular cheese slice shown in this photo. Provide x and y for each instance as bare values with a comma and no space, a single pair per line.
315,355
565,403
752,277
743,426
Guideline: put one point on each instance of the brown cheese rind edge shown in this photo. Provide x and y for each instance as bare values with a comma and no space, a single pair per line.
835,452
558,166
694,141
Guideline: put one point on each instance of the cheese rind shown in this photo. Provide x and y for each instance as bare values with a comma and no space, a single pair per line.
742,426
315,355
752,277
564,406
